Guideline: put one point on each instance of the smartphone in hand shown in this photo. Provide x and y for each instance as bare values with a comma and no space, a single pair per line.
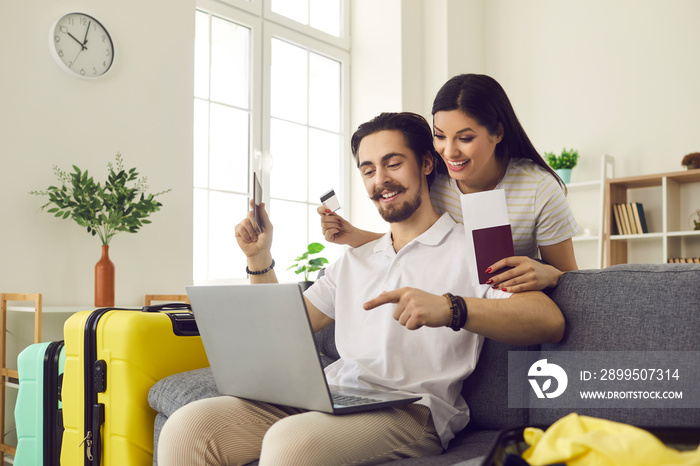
257,199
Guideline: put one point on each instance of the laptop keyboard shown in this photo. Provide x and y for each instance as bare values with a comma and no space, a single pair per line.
348,400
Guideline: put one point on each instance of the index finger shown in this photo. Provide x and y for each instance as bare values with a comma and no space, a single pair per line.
384,298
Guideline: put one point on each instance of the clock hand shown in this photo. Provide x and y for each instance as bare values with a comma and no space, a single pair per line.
76,57
81,45
86,33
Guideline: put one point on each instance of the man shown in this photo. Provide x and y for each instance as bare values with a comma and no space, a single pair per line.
416,337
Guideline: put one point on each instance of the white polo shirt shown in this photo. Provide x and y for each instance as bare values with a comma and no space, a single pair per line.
378,352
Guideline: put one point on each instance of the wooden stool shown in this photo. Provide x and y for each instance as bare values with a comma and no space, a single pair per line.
172,298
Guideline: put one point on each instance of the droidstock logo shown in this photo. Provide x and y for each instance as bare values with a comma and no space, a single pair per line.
548,371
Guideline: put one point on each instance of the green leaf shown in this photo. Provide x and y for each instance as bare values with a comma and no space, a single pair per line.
101,209
315,248
318,262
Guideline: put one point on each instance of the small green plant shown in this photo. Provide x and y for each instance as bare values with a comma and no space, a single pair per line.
304,264
696,221
567,159
105,209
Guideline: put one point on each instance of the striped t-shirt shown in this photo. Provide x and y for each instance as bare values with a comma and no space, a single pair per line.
537,207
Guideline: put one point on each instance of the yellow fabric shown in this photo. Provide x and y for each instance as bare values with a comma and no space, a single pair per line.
582,441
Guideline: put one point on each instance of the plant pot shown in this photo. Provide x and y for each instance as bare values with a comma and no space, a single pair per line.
564,174
304,285
104,280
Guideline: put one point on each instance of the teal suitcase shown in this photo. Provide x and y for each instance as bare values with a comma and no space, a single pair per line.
38,415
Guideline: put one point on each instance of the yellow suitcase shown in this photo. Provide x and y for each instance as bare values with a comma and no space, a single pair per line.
113,358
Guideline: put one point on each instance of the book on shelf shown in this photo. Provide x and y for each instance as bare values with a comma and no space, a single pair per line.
683,260
630,218
618,220
625,220
639,217
623,227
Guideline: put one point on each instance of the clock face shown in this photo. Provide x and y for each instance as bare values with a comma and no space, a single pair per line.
81,45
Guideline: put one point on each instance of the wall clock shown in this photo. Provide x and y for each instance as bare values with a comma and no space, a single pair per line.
81,45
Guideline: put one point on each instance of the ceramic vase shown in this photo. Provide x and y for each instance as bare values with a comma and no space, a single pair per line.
104,280
564,174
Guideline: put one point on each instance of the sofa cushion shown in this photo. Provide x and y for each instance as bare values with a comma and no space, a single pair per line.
486,389
635,307
171,393
630,307
325,341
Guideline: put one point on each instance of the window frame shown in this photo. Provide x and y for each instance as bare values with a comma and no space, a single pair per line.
265,26
275,31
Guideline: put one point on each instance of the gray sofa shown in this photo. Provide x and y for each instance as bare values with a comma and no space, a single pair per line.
621,308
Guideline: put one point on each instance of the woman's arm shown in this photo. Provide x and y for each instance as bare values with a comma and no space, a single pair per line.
531,275
339,231
560,255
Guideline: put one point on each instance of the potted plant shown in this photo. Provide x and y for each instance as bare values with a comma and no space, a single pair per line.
691,161
563,163
696,220
104,210
306,265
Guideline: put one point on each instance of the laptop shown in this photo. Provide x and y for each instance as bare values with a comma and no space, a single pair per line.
260,346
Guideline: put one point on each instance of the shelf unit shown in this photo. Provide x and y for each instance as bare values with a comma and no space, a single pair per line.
671,198
588,244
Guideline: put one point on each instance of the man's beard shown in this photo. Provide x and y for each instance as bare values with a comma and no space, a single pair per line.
398,213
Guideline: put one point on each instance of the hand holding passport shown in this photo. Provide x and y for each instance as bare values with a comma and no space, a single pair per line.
486,223
492,244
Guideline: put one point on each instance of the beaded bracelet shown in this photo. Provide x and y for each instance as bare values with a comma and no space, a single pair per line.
458,306
260,272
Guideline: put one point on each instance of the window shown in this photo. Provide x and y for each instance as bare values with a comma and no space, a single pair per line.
291,130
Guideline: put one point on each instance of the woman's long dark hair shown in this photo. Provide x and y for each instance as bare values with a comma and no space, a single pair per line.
483,99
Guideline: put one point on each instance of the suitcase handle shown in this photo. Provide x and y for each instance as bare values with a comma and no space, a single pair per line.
184,324
162,307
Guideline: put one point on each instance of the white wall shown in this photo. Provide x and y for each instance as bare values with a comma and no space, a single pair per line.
617,77
604,77
141,108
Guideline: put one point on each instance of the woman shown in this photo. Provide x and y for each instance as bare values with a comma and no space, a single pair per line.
482,146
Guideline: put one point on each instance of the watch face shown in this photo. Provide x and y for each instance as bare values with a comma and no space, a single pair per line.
81,45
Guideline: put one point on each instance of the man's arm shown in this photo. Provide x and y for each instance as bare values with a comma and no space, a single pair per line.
256,246
527,318
318,319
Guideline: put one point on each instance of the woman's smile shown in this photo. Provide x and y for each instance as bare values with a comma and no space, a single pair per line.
457,165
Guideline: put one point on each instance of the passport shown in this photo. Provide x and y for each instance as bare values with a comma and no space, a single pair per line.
491,245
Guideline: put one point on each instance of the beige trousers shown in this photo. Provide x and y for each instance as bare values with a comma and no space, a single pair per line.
231,431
